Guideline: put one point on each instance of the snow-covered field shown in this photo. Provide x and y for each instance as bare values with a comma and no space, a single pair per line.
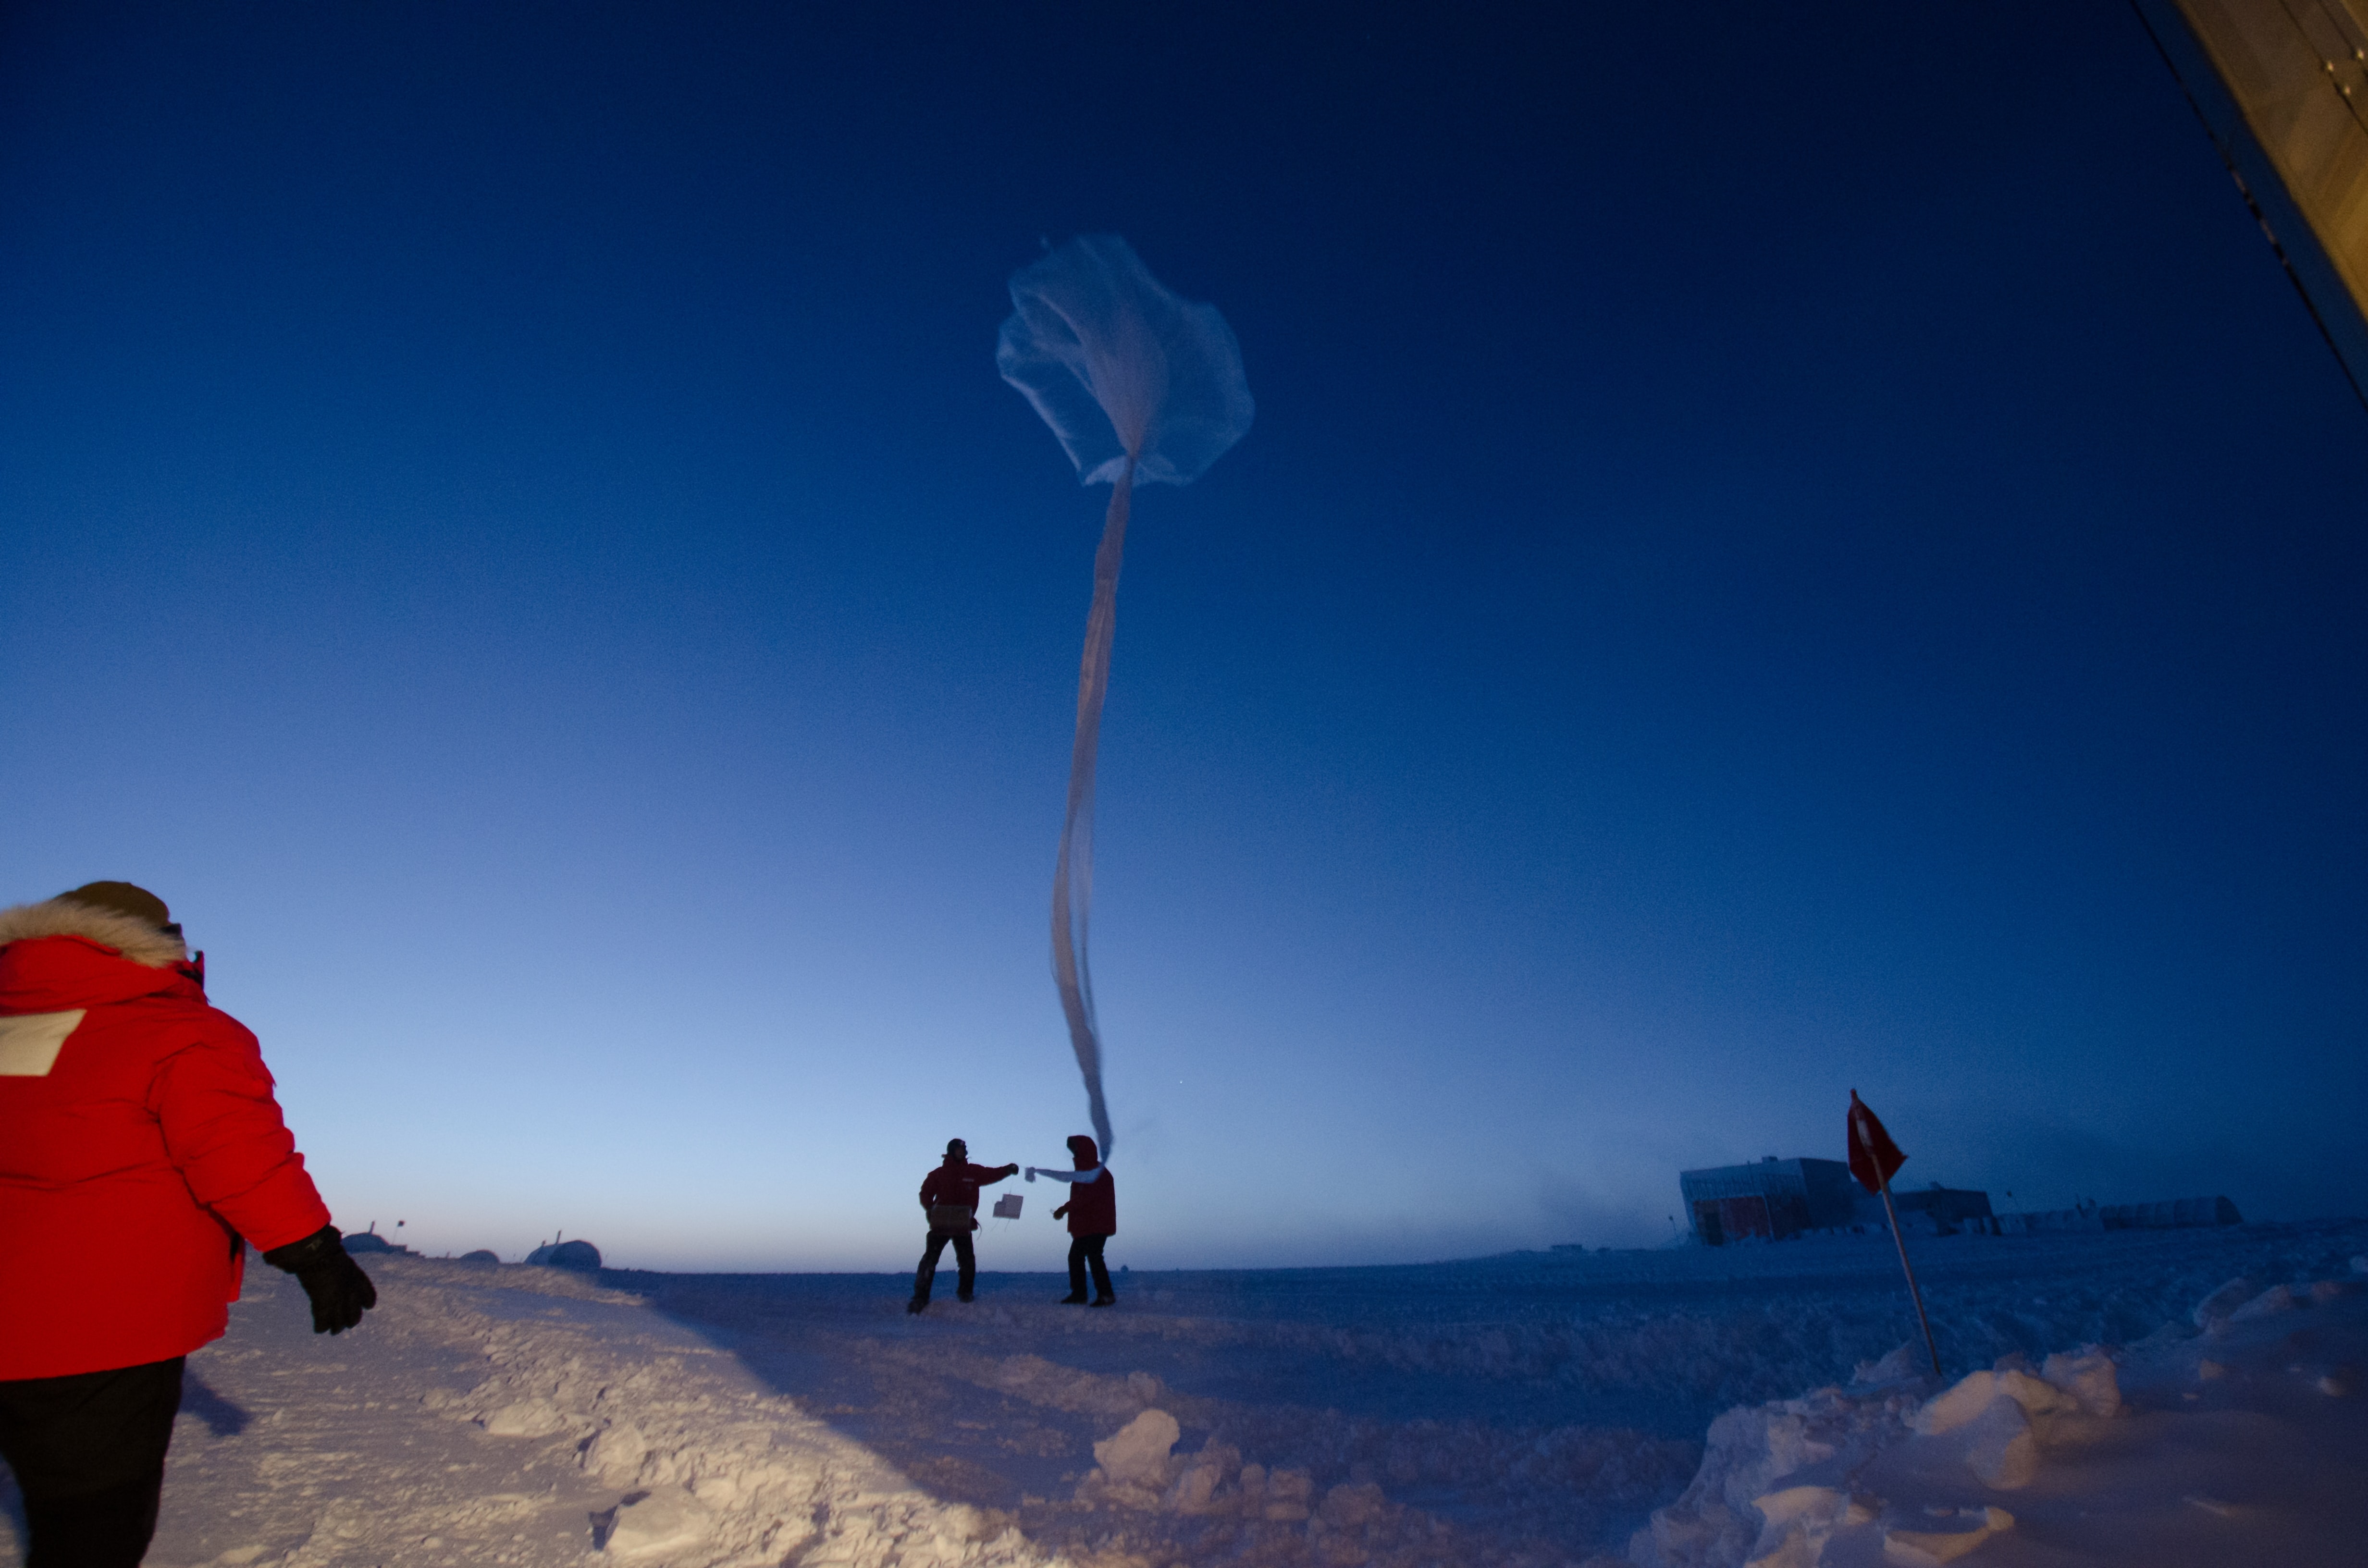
1674,1407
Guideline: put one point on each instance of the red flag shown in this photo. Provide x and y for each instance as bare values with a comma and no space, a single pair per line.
1875,1159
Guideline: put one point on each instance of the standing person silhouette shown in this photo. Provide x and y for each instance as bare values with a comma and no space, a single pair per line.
1092,1209
949,1197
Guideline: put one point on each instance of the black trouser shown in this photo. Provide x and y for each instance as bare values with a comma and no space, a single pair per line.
924,1275
1084,1250
88,1452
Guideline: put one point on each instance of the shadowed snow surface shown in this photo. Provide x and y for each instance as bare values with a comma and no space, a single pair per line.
1530,1409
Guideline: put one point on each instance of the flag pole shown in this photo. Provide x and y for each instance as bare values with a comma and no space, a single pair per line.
1901,1243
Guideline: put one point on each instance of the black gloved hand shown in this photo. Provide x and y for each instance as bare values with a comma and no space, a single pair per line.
339,1290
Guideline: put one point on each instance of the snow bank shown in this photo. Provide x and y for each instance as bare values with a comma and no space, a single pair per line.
2157,1398
1888,1470
522,1417
712,1470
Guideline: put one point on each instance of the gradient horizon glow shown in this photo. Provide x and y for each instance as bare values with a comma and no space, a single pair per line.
1808,554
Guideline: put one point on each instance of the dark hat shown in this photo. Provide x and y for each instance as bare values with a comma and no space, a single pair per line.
956,1146
124,898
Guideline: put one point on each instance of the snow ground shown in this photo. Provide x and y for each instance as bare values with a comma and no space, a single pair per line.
1530,1409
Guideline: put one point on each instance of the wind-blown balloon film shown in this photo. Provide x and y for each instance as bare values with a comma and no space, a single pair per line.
1121,368
1137,384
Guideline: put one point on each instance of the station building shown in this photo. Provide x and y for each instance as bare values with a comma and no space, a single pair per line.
1772,1199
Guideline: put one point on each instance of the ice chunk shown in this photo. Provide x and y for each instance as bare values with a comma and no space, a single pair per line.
1800,1520
1921,1549
1195,1489
1287,1492
1994,1411
669,1519
2086,1376
1352,1503
2213,1309
1901,1366
2268,1303
1137,1452
526,1418
1966,1403
1790,1447
1999,1448
1751,1450
616,1452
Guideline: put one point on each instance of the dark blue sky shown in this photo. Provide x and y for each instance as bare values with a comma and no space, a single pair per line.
1780,551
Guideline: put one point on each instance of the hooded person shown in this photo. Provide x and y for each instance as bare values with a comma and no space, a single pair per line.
140,1154
1092,1209
949,1197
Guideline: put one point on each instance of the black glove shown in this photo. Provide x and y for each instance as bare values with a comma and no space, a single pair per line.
340,1291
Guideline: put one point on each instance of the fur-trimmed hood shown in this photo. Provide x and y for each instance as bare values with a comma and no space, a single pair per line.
127,933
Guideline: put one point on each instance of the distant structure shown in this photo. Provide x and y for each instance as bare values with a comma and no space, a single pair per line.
371,1241
566,1255
2173,1214
1770,1199
1943,1211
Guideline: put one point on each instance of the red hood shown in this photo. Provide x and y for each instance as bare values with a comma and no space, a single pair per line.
54,975
1088,1155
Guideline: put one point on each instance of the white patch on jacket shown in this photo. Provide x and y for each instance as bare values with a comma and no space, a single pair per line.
29,1042
127,933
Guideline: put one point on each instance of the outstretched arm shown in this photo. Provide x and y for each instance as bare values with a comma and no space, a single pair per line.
1073,1177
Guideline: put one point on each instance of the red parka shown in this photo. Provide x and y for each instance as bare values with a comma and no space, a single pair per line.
1093,1204
139,1141
958,1184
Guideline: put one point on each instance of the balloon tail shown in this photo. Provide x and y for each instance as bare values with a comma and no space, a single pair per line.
1072,874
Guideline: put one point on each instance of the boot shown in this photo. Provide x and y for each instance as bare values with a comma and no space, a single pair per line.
1073,1298
916,1305
1103,1302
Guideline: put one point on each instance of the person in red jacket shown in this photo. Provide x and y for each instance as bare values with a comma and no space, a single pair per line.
949,1197
140,1153
1092,1209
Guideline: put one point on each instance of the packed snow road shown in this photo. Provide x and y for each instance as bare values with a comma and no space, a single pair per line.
1532,1409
